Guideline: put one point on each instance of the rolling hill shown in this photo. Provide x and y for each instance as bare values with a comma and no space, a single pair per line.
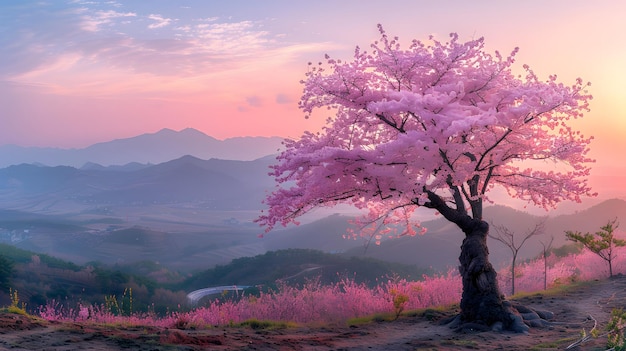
439,248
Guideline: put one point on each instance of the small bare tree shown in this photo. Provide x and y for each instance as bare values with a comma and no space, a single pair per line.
546,251
507,237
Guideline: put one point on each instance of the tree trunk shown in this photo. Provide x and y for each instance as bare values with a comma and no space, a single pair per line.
481,302
545,270
513,273
483,307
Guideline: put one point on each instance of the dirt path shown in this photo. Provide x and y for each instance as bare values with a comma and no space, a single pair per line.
574,310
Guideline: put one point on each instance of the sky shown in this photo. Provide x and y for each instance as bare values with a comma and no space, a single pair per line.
78,72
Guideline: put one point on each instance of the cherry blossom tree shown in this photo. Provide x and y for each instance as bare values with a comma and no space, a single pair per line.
436,125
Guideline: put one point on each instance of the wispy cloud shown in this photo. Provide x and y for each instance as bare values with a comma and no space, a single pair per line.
100,37
92,21
159,21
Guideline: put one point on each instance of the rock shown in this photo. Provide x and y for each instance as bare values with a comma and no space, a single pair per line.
547,315
518,324
529,316
497,327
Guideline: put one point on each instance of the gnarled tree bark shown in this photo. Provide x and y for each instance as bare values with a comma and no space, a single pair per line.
483,306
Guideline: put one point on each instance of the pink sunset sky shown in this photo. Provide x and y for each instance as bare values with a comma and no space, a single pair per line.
74,73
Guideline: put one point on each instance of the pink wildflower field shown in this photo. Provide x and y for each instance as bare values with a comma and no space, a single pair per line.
314,303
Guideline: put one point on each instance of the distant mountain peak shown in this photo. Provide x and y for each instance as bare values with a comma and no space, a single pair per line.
192,130
185,131
163,131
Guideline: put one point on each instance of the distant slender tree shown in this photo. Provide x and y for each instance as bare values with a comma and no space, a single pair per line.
507,237
436,125
546,251
602,243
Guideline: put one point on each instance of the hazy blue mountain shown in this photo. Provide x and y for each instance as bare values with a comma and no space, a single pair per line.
133,166
216,184
151,148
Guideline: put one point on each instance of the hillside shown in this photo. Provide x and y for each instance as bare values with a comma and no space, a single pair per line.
125,245
575,309
439,248
40,278
296,266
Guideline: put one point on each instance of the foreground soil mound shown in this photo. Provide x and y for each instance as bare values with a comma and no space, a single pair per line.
576,309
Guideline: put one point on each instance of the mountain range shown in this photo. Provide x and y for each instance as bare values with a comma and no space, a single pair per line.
150,148
212,184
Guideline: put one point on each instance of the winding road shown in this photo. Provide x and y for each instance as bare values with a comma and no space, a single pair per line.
195,296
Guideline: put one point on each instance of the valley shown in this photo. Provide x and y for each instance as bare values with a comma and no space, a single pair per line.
189,238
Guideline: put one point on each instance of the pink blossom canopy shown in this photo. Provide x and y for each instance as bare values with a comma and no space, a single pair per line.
445,119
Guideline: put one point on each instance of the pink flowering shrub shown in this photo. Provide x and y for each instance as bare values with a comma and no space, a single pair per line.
317,303
311,303
574,267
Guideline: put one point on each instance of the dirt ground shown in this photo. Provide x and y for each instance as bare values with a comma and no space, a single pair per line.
577,309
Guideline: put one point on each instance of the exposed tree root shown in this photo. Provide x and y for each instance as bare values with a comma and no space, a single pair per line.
521,319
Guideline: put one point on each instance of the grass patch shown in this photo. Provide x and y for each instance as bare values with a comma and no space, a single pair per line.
430,314
468,344
555,290
14,310
16,307
437,313
375,318
559,344
265,325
